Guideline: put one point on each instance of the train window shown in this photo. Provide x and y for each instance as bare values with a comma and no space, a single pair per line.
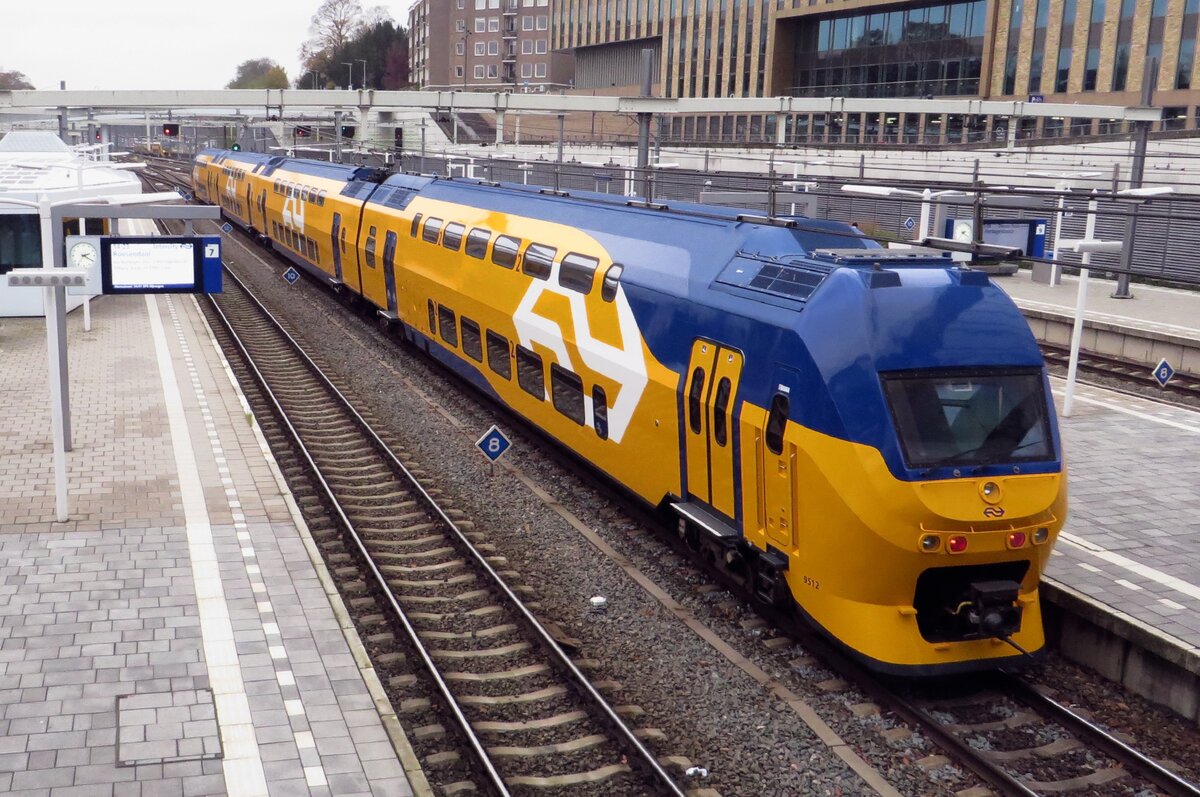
321,197
577,272
530,375
472,344
370,249
504,252
566,391
432,318
447,326
498,357
371,232
304,194
538,260
416,225
477,242
720,410
600,412
777,422
452,237
695,392
433,230
612,278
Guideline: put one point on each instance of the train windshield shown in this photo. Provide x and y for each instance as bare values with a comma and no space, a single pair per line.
970,418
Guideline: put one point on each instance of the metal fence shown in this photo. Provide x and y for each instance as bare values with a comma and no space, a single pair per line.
1164,248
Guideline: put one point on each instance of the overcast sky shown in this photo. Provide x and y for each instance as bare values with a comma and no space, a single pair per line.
153,44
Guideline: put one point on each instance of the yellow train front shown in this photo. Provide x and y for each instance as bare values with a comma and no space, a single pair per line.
865,435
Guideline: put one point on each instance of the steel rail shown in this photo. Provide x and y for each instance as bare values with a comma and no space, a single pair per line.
664,780
1107,743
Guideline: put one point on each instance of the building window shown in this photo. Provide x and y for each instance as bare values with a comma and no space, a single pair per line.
481,48
530,375
543,22
494,25
493,70
480,25
460,25
541,46
1063,73
527,47
493,48
527,23
480,5
479,73
539,70
458,71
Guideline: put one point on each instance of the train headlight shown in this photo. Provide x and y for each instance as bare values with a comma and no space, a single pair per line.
1040,535
990,492
930,543
1016,539
956,544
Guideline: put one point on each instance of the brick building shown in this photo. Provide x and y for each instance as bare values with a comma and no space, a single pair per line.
485,45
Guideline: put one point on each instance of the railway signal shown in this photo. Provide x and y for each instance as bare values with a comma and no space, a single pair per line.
171,130
303,131
348,131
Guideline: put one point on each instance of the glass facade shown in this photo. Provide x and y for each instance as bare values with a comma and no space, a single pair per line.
1016,10
1124,42
1091,65
933,50
1187,45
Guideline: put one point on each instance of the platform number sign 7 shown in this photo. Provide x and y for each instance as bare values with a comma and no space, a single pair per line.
212,252
493,444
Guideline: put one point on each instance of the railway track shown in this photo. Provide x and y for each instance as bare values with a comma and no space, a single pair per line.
425,594
1181,386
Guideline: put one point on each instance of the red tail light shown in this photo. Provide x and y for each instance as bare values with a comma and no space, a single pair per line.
956,544
1016,539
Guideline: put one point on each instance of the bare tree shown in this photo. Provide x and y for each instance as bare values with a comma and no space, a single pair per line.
333,26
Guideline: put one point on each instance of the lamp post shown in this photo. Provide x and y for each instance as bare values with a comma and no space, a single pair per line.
349,74
1086,246
1065,182
364,63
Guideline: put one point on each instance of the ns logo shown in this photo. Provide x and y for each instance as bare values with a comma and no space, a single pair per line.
994,511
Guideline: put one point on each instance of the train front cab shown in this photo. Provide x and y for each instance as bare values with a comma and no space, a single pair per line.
914,577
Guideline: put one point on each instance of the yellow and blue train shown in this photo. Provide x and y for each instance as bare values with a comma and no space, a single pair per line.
868,435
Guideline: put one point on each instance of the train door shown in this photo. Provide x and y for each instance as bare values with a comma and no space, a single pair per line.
249,204
779,464
712,382
262,209
389,270
334,233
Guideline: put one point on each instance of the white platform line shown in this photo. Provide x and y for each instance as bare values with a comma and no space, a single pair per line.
1137,568
1145,416
244,775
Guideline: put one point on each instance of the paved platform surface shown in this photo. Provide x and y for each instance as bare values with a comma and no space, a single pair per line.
174,637
1132,538
1163,310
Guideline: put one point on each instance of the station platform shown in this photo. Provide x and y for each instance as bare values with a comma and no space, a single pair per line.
1156,323
179,635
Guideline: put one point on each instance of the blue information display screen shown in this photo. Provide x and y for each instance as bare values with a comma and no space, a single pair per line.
159,265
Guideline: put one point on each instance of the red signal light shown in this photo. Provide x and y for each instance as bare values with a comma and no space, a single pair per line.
170,130
1016,539
956,544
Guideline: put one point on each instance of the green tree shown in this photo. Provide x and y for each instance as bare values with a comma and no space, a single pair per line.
379,42
11,81
259,73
